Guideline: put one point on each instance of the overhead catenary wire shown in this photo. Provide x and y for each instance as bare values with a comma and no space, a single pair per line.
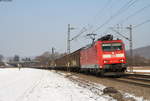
81,32
120,11
84,29
142,23
103,8
135,13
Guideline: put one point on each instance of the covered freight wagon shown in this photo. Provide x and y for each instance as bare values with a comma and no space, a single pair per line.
69,62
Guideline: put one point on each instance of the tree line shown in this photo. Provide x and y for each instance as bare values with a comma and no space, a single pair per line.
46,57
138,60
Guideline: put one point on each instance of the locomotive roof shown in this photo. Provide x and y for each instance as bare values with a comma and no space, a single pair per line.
90,45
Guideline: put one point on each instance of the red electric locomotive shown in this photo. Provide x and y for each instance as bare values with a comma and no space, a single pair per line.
104,56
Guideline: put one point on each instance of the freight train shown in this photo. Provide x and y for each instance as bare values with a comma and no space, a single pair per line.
105,56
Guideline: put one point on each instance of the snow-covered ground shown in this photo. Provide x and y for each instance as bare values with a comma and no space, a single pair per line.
41,85
146,71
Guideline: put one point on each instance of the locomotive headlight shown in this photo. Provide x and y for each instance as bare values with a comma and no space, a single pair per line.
122,60
106,61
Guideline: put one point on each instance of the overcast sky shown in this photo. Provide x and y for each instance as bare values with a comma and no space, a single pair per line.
31,27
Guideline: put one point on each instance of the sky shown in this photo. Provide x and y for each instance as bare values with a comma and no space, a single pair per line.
31,27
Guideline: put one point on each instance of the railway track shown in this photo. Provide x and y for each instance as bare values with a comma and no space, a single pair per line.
143,79
138,75
133,82
96,88
124,84
135,79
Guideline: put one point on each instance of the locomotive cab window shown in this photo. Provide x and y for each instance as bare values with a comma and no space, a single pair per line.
111,46
116,46
106,47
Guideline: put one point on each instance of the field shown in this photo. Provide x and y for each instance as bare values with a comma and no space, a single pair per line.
40,85
29,84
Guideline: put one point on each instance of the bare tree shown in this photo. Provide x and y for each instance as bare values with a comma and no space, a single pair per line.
1,58
26,59
47,56
16,58
138,60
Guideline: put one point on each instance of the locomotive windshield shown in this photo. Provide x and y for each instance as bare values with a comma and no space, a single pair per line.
111,46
